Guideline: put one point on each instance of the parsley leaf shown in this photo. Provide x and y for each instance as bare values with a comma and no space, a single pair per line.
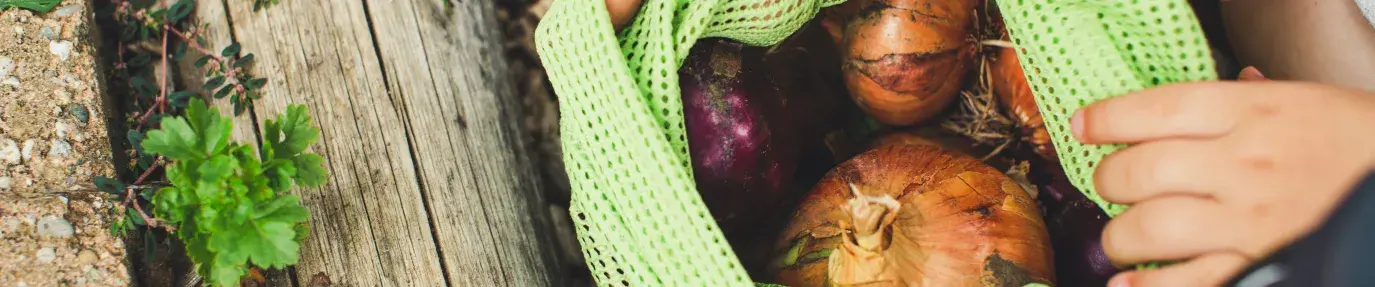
229,204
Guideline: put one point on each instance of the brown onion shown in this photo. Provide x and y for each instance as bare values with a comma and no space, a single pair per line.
915,215
906,60
1014,94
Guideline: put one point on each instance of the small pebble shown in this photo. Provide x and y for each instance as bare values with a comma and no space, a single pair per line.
56,227
93,275
79,112
19,32
9,223
71,81
63,49
5,183
64,199
68,10
47,255
62,96
48,33
60,148
6,66
9,152
63,129
86,257
28,149
11,81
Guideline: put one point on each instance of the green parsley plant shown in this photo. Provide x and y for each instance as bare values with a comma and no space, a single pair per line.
228,203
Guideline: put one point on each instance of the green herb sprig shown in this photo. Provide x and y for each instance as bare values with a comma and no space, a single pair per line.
227,202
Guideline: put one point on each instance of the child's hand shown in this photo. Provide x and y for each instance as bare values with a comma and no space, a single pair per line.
1222,173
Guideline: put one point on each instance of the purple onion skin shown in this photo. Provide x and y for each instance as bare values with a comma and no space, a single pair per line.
1076,226
743,155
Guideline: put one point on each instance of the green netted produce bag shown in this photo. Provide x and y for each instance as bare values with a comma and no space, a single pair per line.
639,219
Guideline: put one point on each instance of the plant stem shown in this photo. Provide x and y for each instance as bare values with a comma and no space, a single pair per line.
231,74
130,198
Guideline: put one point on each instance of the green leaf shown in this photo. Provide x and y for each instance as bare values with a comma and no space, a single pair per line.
244,61
310,170
179,51
180,10
257,83
213,83
212,128
175,140
217,169
241,212
35,5
224,91
109,185
291,132
180,98
147,193
135,140
200,63
230,50
140,60
281,174
142,85
133,214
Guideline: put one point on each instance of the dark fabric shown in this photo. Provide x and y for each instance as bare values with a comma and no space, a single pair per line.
1340,253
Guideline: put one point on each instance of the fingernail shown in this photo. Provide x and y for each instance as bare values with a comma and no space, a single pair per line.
1250,73
1121,280
1076,124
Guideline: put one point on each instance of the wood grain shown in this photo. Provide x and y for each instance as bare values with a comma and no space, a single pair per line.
430,183
444,65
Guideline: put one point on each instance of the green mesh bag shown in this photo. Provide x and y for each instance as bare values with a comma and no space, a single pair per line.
639,219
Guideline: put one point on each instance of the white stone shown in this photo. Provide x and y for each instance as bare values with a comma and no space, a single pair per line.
9,152
56,227
63,49
11,81
63,129
6,66
9,223
60,148
48,33
47,255
68,10
28,149
5,183
62,96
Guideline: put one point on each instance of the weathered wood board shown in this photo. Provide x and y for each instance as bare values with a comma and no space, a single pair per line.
430,183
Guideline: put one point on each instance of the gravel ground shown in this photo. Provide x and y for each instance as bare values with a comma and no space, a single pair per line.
53,142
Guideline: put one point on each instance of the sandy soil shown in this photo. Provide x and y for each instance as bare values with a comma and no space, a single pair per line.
54,228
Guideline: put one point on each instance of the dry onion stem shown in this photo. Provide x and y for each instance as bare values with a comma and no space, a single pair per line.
979,118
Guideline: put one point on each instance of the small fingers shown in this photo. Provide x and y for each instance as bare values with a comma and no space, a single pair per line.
1169,228
1193,110
1175,166
622,12
1210,269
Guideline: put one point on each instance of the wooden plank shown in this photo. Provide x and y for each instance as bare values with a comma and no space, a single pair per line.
369,225
218,36
444,65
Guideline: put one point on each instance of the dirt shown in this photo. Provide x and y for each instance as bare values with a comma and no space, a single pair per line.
54,226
